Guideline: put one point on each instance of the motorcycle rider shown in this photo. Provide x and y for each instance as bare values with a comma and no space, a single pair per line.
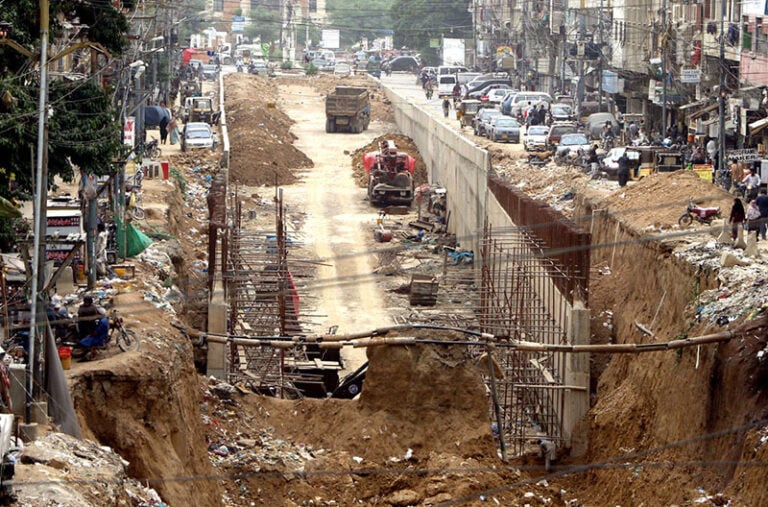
428,89
607,135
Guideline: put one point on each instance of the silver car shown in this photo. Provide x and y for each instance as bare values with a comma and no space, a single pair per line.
536,138
197,136
504,129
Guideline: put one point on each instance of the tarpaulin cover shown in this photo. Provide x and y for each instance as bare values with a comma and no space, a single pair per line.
153,115
136,240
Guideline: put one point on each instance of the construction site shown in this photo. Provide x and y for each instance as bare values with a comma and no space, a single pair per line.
506,336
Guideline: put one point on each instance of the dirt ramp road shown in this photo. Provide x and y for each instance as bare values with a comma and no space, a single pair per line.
339,221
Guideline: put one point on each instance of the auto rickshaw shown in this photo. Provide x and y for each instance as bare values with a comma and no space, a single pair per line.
656,159
467,110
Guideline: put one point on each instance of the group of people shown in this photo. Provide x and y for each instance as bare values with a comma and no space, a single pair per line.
92,322
753,219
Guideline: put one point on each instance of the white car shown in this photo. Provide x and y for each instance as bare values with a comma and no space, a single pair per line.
536,137
497,95
197,136
342,69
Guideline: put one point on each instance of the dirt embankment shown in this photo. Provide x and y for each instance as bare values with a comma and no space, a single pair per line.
261,143
645,402
146,407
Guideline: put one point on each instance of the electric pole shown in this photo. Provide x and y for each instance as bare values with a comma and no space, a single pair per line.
725,181
664,68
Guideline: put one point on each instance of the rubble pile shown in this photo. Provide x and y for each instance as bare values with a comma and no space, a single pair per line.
76,473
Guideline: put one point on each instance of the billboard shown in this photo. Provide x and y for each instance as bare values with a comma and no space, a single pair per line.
330,39
238,24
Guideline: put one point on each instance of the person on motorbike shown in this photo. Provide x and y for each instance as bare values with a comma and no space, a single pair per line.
428,88
456,92
88,317
608,136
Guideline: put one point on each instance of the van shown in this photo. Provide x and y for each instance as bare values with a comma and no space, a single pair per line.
445,85
451,69
514,105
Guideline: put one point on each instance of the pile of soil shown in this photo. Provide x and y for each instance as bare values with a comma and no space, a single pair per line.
418,435
381,107
658,200
404,144
261,143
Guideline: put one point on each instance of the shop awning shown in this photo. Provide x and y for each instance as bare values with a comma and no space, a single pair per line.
701,112
756,126
710,121
694,104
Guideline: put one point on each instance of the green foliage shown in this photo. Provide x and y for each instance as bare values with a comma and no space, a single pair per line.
310,70
417,21
265,23
286,65
356,19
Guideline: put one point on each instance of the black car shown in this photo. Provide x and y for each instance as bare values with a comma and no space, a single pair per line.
401,63
484,84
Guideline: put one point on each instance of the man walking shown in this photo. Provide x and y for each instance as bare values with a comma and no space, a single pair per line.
762,204
623,169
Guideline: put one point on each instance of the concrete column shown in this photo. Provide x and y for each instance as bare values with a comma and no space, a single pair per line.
217,323
576,403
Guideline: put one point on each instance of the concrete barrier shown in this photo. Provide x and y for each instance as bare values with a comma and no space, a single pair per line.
453,162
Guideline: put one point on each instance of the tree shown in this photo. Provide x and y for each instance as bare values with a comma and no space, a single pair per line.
418,21
83,130
265,22
356,19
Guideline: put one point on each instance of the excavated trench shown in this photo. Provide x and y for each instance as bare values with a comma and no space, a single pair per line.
665,406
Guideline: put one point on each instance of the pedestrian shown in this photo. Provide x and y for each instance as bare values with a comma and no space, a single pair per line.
173,132
623,173
446,106
736,219
633,131
762,204
753,219
712,150
164,123
750,184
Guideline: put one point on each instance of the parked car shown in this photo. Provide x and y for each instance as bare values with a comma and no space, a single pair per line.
479,80
557,129
610,164
342,69
503,128
471,88
323,65
595,122
536,138
515,105
482,118
572,143
197,135
210,72
485,92
259,67
561,112
401,64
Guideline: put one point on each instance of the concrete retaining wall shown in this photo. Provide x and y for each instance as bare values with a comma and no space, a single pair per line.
453,162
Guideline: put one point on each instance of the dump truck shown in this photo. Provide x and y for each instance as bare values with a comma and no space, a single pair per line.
390,174
347,108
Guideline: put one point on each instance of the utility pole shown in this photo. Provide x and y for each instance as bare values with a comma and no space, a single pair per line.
600,56
41,193
664,68
725,181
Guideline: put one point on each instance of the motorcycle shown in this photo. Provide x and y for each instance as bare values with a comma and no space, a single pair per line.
699,214
126,339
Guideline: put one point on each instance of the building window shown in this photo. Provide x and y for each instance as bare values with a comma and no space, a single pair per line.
746,42
218,5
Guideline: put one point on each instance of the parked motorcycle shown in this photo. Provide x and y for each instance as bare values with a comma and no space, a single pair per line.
699,214
125,339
